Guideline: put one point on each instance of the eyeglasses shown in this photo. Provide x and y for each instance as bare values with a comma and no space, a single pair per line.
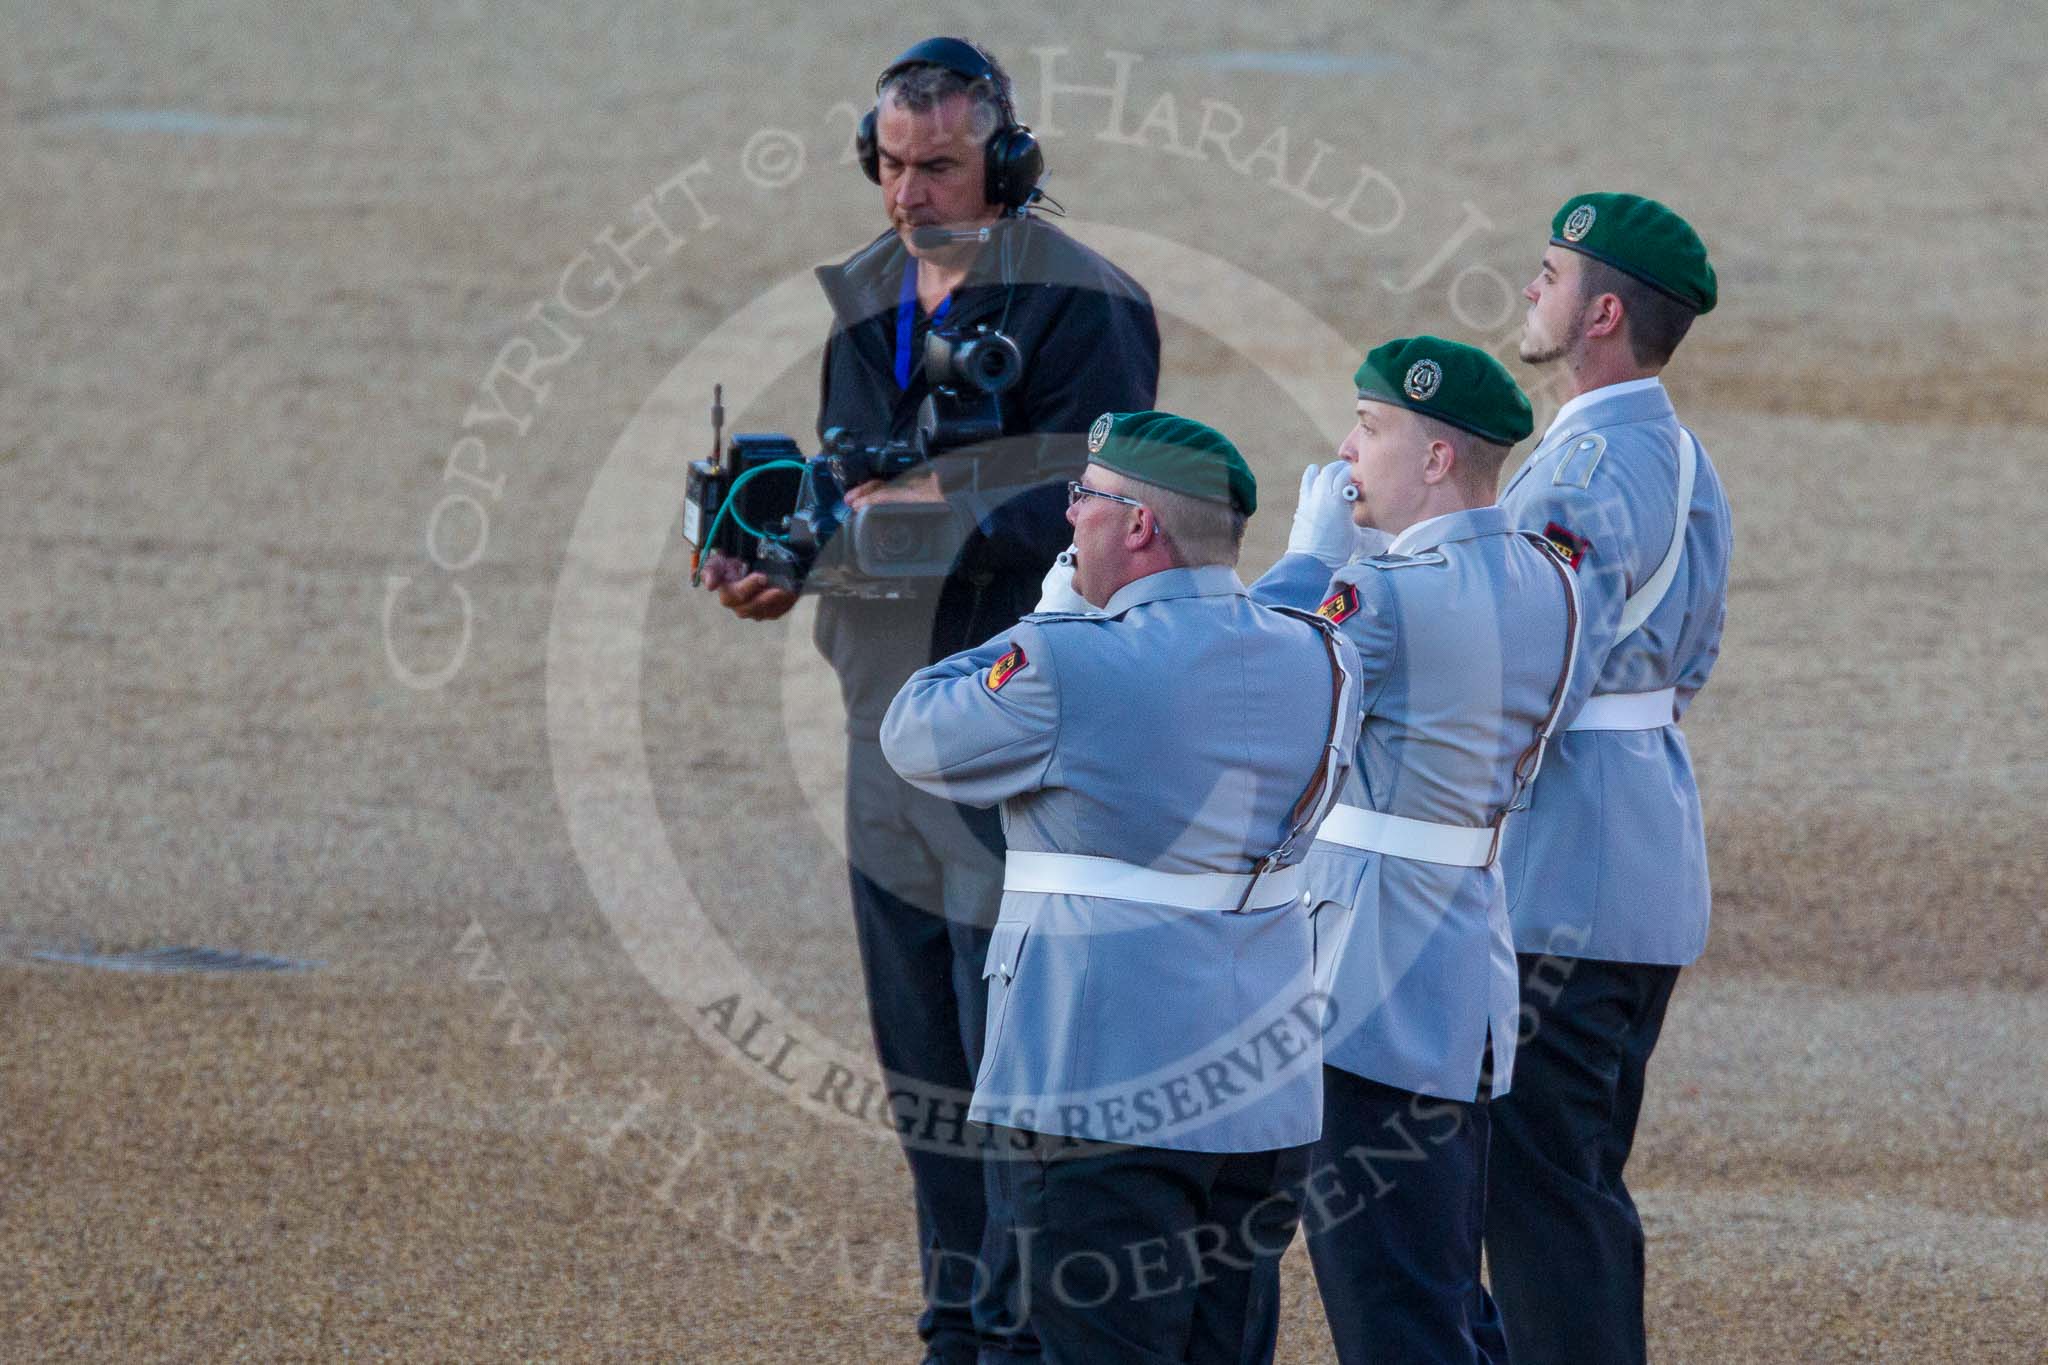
1076,490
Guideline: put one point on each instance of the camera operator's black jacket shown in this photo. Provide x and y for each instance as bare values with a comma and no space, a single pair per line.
1090,345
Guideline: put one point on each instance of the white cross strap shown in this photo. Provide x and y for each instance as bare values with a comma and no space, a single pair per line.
1645,599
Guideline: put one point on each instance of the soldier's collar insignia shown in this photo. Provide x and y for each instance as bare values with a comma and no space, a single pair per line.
1425,377
1098,433
1006,668
1340,605
1579,224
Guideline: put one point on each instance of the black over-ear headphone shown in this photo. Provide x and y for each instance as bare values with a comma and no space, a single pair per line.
1013,160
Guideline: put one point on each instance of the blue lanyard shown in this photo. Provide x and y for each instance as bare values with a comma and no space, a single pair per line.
906,318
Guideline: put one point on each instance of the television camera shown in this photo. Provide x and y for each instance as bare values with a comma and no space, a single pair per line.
761,501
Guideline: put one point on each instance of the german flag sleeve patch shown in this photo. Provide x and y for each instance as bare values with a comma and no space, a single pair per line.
1340,606
1006,668
1571,548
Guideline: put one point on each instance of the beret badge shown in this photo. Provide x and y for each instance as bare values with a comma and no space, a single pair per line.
1099,433
1579,224
1425,377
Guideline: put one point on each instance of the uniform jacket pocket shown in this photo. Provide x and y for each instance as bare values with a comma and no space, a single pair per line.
999,969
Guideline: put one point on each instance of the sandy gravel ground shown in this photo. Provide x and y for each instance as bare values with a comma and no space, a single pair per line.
259,261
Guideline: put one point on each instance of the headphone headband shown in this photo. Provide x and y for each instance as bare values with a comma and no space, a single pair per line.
958,56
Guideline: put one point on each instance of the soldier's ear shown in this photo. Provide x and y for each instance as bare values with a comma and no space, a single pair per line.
1441,462
1604,314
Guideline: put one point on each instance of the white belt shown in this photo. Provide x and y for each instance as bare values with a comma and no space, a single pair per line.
1075,874
1399,837
1628,711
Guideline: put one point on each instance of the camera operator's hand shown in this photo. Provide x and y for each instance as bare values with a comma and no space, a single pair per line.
748,596
923,488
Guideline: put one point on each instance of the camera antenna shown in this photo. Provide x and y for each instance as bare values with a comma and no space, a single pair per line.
717,462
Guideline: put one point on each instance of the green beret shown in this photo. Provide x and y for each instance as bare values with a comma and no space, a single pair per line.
1639,237
1451,382
1174,452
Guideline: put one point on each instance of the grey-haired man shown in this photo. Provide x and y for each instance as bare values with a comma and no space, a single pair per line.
944,147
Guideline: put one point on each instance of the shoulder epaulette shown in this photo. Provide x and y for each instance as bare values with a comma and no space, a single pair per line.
1394,561
1040,618
1577,461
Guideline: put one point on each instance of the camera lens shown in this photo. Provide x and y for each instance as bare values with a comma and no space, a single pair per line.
990,363
895,539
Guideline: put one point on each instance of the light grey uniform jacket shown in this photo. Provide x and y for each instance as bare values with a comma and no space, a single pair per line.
1610,859
1462,629
1177,731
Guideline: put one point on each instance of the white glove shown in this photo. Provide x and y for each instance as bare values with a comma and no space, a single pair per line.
1322,515
1057,593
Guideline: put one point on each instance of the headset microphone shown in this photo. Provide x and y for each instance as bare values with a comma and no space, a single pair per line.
927,238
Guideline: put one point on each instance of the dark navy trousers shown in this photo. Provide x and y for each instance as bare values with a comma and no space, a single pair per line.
1563,1242
1144,1256
1395,1205
926,877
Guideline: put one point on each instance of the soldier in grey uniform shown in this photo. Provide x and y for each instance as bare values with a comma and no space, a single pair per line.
1465,631
1607,870
1152,1075
944,144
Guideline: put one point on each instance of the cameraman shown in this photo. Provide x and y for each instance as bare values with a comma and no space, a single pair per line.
945,147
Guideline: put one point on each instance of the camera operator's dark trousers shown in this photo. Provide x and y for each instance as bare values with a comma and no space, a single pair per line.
1144,1256
1563,1242
1397,1206
927,883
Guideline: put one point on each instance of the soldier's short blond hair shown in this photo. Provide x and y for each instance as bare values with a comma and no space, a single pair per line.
1200,531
